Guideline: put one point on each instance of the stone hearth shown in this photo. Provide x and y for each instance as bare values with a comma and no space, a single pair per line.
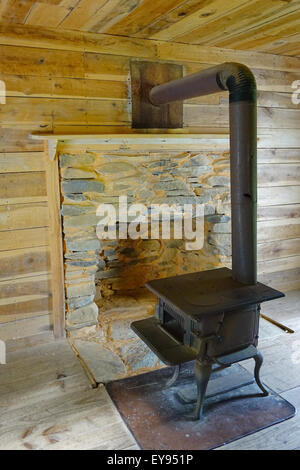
104,280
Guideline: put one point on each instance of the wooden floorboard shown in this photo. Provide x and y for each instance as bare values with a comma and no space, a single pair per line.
281,372
47,401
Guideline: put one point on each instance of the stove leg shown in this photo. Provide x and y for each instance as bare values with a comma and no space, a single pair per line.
202,375
258,358
174,377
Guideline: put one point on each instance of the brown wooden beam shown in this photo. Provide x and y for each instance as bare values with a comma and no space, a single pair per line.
144,76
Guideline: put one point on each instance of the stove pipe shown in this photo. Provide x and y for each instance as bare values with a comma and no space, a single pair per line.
240,82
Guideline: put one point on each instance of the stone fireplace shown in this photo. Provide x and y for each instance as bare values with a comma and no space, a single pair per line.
104,279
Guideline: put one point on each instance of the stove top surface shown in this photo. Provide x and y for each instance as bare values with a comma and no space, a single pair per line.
209,292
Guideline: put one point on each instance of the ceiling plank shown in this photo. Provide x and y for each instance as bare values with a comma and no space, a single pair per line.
238,24
83,11
250,15
147,11
15,11
46,15
287,46
141,48
286,25
206,12
113,11
184,9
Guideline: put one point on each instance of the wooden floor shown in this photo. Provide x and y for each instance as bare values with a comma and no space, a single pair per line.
281,372
47,401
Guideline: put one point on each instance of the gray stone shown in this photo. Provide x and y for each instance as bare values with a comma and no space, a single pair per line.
77,173
208,209
201,170
81,220
219,239
107,274
217,155
104,364
144,194
76,160
78,302
120,330
115,168
121,187
160,163
172,185
197,160
78,277
223,250
75,197
208,193
81,264
219,181
86,314
77,274
83,245
80,289
222,228
81,255
80,233
176,200
217,218
82,186
86,271
180,192
108,253
137,355
71,210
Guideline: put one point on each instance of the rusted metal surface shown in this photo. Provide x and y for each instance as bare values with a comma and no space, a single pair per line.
161,421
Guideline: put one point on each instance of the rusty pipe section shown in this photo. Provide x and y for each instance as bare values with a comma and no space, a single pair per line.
240,82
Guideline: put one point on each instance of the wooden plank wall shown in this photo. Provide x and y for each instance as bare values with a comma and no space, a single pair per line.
79,82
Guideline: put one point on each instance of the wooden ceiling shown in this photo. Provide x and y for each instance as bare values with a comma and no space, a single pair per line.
264,25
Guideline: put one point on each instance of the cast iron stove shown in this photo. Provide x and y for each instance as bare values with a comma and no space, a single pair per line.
207,317
212,317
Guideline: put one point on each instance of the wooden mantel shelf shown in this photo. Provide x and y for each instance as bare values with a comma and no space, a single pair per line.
170,141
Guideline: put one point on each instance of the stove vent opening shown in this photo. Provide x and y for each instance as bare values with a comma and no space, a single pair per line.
173,323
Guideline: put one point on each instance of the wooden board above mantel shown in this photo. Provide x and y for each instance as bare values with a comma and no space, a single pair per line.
170,141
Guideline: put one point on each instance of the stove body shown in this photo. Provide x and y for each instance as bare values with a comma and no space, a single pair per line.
206,317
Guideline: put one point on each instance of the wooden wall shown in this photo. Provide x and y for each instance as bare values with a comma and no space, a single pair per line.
78,82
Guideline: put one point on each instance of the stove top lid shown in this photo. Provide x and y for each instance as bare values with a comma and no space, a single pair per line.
209,292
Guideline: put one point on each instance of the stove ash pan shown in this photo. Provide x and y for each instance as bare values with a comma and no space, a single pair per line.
212,317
